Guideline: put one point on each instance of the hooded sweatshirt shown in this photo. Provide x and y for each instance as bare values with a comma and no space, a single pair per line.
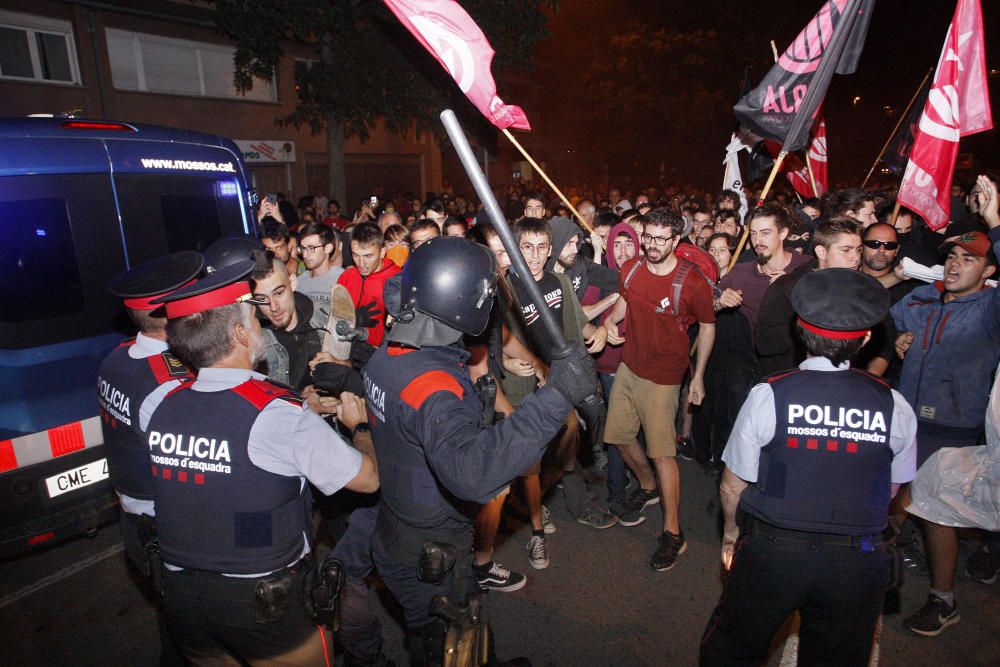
585,272
608,359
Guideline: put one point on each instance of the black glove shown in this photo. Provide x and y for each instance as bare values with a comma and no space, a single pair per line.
336,378
360,353
574,376
367,316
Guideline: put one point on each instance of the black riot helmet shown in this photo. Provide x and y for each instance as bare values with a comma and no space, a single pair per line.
452,280
230,250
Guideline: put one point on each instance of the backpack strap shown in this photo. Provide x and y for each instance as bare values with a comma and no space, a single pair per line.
631,272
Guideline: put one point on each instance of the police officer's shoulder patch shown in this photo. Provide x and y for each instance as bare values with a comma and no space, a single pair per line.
260,392
167,367
175,367
426,385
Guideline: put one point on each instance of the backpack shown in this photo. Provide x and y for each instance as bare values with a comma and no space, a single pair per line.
684,267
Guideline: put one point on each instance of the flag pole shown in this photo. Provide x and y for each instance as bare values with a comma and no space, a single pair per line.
809,170
760,201
552,185
902,117
895,211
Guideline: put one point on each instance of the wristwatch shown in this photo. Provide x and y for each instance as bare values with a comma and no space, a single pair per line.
362,427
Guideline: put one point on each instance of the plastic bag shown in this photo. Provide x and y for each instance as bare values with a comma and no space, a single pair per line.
960,486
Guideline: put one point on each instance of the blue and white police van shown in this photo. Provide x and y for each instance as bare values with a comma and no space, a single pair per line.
80,202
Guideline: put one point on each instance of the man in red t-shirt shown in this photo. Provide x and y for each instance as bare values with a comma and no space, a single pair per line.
654,361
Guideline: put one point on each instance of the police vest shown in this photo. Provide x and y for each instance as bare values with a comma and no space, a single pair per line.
216,510
409,489
123,383
828,468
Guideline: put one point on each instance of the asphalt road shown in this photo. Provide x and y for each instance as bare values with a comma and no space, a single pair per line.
598,603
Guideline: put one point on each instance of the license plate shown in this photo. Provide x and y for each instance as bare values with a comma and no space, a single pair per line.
77,478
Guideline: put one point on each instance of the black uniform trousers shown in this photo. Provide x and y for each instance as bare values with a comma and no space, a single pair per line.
837,590
213,620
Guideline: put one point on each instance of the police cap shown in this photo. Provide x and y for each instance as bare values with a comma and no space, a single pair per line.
839,303
223,287
230,250
138,286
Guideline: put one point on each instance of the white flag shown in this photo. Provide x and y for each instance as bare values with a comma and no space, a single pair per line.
732,179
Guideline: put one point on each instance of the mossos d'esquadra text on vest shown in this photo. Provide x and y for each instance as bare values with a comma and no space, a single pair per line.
830,422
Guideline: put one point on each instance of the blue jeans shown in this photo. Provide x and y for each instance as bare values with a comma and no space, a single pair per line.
617,477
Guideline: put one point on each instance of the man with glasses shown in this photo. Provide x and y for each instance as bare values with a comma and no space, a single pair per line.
661,297
318,245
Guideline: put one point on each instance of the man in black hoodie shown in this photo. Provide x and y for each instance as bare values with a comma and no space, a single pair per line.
566,258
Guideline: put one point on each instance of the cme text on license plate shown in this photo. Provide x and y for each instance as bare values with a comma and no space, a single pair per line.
77,478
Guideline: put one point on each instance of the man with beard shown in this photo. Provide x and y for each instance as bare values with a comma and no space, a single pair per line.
235,560
582,272
878,255
662,296
276,238
744,287
838,246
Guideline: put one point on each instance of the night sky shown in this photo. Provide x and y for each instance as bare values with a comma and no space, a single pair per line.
904,40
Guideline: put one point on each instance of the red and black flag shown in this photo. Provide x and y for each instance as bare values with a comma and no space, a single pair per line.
831,42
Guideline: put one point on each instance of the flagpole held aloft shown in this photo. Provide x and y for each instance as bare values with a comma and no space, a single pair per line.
545,176
902,117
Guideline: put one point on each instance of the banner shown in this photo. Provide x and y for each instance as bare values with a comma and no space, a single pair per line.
816,158
958,105
832,41
451,36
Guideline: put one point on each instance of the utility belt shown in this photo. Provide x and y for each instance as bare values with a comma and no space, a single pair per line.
864,543
272,594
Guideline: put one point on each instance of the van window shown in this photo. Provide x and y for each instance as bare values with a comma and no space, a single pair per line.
166,213
39,274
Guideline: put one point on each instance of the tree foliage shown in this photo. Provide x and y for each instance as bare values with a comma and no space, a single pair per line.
365,64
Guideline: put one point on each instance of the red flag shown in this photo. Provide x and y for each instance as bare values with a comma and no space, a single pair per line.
450,34
958,105
816,156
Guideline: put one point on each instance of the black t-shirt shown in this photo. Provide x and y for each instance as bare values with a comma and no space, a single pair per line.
539,339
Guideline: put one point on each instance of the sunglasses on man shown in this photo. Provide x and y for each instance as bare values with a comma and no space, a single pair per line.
875,245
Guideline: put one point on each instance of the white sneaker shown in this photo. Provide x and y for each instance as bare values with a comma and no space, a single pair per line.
547,524
538,555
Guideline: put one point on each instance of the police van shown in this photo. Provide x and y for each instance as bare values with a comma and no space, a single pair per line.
80,202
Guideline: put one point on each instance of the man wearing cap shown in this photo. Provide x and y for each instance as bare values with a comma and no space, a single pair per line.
951,343
813,460
128,378
438,460
230,454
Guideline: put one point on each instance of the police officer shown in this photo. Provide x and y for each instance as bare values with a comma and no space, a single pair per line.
230,454
138,369
438,461
814,458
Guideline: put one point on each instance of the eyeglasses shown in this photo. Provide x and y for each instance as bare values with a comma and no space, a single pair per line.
540,249
875,245
310,249
659,241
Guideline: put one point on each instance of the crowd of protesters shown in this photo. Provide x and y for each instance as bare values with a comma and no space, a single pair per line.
718,280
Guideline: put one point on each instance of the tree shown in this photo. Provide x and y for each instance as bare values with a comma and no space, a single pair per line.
367,66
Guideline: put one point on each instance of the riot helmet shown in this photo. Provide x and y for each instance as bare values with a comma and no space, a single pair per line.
452,280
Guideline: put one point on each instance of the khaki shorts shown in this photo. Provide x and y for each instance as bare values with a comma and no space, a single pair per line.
635,402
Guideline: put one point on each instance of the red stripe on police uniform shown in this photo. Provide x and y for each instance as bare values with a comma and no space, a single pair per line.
182,476
831,445
852,447
812,444
156,472
199,478
793,443
66,439
168,473
8,457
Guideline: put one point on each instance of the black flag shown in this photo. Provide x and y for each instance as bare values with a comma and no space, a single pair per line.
832,41
897,151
